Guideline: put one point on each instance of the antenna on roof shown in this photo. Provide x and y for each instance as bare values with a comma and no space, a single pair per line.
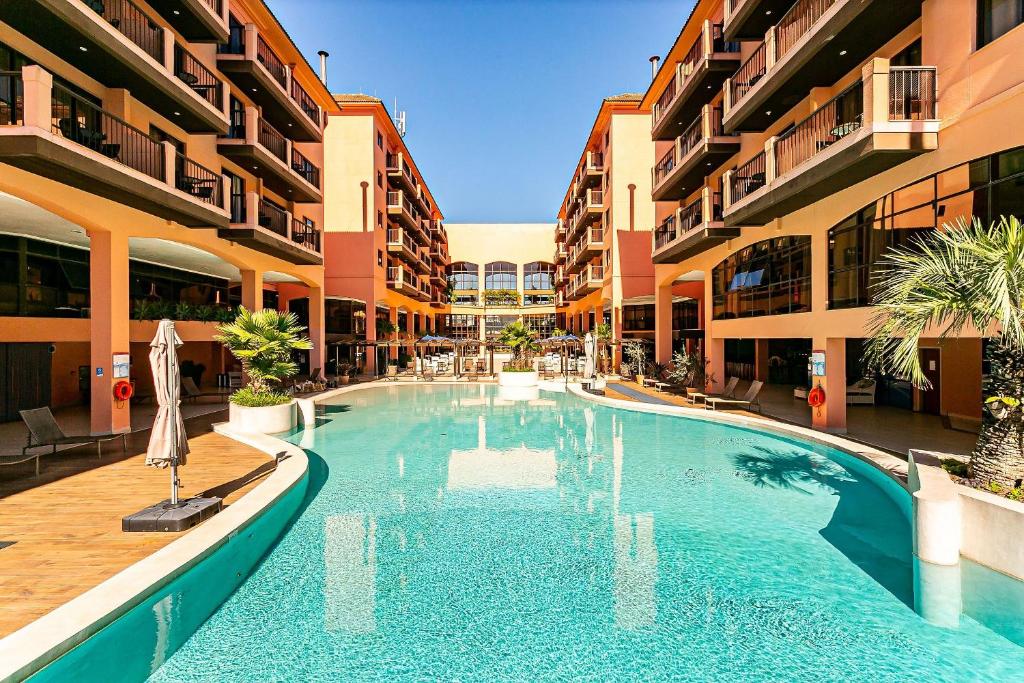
399,118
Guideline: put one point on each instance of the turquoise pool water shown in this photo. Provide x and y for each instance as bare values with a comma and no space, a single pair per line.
448,534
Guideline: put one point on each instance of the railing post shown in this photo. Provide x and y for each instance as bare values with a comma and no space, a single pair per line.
726,96
167,41
770,166
707,38
252,125
37,87
770,55
225,193
252,208
170,164
727,188
706,205
251,39
288,154
727,11
705,122
289,226
875,77
288,80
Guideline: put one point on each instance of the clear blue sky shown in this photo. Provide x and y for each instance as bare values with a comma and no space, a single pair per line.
500,95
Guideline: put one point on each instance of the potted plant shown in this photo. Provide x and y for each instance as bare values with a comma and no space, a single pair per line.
345,373
603,332
637,355
263,342
522,340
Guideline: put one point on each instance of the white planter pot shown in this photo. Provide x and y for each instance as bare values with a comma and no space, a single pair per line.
518,379
265,420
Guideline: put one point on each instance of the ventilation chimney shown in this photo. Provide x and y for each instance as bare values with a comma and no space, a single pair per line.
654,65
323,65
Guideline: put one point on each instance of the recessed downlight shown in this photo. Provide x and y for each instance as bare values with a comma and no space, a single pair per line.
842,52
83,48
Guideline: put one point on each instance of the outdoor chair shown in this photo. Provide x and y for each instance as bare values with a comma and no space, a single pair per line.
748,401
427,373
191,392
728,392
861,392
391,375
43,430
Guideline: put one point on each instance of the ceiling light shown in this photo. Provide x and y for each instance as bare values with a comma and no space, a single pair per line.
767,12
176,13
768,113
842,52
83,48
177,113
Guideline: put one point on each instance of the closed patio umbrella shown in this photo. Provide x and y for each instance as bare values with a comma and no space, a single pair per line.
590,349
168,443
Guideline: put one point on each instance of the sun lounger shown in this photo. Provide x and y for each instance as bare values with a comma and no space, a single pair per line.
427,373
43,430
728,392
391,375
748,401
191,392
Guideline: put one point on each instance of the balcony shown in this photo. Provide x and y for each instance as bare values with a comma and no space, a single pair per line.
697,79
887,117
701,149
561,252
266,227
119,45
588,210
401,245
199,21
560,230
248,60
400,206
400,173
561,276
589,174
253,143
813,45
402,280
52,132
691,230
589,280
750,19
591,244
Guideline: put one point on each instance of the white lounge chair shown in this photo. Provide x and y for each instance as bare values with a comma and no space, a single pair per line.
748,401
728,392
861,392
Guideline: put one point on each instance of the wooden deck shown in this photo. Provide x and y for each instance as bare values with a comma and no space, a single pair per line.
65,525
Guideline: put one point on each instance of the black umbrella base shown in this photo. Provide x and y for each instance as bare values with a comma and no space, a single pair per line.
165,517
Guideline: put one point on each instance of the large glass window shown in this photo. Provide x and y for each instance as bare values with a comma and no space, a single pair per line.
340,317
996,17
985,188
465,276
500,275
459,326
544,324
685,315
494,324
539,275
771,277
639,318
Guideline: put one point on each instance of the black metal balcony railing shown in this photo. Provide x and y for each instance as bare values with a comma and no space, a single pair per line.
828,124
305,102
666,98
192,73
134,24
81,121
596,161
269,59
306,234
748,178
305,168
719,43
749,73
692,136
665,165
12,99
691,216
795,23
912,93
236,41
273,141
273,218
197,180
595,197
665,233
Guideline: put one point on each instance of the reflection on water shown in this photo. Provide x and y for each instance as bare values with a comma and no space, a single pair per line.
350,573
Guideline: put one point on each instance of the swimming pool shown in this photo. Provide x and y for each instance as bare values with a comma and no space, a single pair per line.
448,534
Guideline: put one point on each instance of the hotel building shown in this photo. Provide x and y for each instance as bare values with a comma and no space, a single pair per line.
796,141
385,245
156,159
603,270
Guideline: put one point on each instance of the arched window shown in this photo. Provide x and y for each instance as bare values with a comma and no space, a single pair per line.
500,275
465,276
538,276
771,277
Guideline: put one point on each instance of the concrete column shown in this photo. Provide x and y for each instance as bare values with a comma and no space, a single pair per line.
770,48
715,358
168,49
37,84
831,417
663,323
875,75
317,328
108,328
252,289
370,357
393,317
616,349
761,359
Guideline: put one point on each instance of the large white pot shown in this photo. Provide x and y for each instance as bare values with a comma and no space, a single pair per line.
265,420
518,379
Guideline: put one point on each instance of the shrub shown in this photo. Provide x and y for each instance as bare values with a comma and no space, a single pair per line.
249,398
521,338
955,467
263,342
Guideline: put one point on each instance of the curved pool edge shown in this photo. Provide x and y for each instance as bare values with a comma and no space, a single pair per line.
890,465
34,646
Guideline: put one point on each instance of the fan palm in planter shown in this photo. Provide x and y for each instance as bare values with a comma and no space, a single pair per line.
263,342
966,276
522,339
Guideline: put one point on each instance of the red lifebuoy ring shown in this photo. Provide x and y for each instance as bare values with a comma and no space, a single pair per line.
123,390
816,397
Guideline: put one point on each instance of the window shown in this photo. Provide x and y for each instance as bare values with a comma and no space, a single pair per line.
500,275
539,275
237,200
771,277
380,258
466,276
236,119
985,188
459,326
685,315
380,179
638,318
996,17
538,299
494,324
380,219
340,318
380,140
544,324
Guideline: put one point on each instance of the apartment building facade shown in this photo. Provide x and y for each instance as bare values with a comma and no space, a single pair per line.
156,160
829,131
385,243
603,270
499,273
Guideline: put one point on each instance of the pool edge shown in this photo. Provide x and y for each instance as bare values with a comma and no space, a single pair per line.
37,644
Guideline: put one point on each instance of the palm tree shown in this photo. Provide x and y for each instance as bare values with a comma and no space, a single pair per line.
263,342
522,339
964,277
